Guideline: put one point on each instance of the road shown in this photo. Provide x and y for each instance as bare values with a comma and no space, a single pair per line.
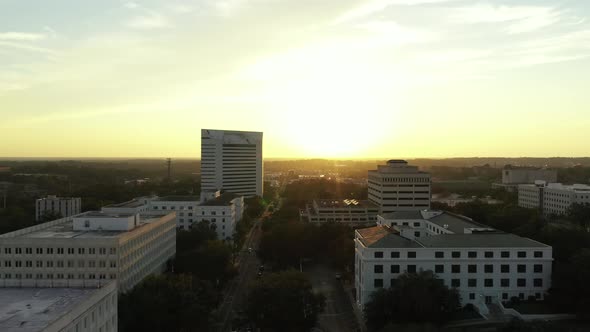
235,296
338,315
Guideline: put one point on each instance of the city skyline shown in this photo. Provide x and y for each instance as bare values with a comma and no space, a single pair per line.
339,79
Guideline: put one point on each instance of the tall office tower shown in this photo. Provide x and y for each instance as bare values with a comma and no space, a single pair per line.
398,186
231,161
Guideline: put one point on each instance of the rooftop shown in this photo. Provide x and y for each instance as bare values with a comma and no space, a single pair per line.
178,198
479,240
221,200
340,203
33,309
129,204
454,222
384,237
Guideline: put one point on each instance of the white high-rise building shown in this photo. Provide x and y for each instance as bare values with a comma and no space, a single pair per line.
232,161
65,206
398,186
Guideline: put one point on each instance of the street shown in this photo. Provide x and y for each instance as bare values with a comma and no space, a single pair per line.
235,297
338,315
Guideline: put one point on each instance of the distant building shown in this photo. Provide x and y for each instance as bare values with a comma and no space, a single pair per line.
454,199
398,186
514,176
88,250
232,161
59,309
485,265
65,206
348,211
552,198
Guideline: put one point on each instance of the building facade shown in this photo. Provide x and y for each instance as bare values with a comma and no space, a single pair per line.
398,186
59,309
65,206
348,211
483,264
512,177
88,250
232,161
552,198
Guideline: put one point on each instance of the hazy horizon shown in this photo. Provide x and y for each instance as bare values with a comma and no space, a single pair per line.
333,79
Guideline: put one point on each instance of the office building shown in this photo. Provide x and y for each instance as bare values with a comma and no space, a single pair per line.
512,177
64,206
232,161
483,264
59,309
398,186
552,198
88,250
348,211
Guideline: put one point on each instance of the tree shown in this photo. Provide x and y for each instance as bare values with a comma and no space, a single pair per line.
49,216
415,298
580,214
167,303
284,301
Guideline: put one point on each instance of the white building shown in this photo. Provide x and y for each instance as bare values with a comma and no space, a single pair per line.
59,309
66,206
483,264
398,186
88,250
232,161
349,211
512,177
552,198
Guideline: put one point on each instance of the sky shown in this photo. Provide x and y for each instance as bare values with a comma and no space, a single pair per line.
320,78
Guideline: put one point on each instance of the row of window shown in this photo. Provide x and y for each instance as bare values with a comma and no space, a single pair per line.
456,283
58,276
458,254
59,251
70,264
455,268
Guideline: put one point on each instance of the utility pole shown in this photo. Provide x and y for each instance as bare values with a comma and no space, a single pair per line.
169,163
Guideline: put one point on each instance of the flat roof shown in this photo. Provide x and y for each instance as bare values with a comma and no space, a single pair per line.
479,240
403,215
384,237
348,202
454,222
129,204
33,309
221,200
178,198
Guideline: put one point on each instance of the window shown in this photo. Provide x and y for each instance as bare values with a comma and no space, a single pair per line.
455,283
521,254
472,296
456,254
50,251
505,282
472,254
378,283
489,254
378,254
521,282
60,251
416,234
504,296
538,268
392,282
39,263
416,224
505,254
28,251
488,282
7,250
538,254
488,268
505,268
102,251
395,268
411,268
395,254
439,254
18,251
471,268
538,282
456,268
70,251
39,251
411,254
471,282
112,251
521,268
439,268
378,269
81,251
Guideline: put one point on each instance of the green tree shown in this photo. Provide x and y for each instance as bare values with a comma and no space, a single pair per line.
415,298
284,301
49,216
167,303
580,214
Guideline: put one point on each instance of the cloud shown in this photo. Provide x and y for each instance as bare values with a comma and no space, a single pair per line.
375,6
520,19
151,20
21,36
27,47
131,5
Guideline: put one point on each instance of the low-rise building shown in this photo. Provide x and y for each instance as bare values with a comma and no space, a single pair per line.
483,264
552,198
88,250
59,309
512,177
348,211
65,206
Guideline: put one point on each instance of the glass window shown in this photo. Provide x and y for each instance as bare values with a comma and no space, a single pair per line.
472,254
521,282
456,268
411,268
488,268
538,268
471,268
538,254
505,254
538,282
505,282
521,268
395,268
471,282
489,254
378,254
488,282
521,254
505,268
378,283
378,269
439,254
439,268
456,254
455,283
395,254
411,254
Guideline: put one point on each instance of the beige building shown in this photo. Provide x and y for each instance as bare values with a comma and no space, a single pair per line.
59,309
65,206
88,250
348,211
552,198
